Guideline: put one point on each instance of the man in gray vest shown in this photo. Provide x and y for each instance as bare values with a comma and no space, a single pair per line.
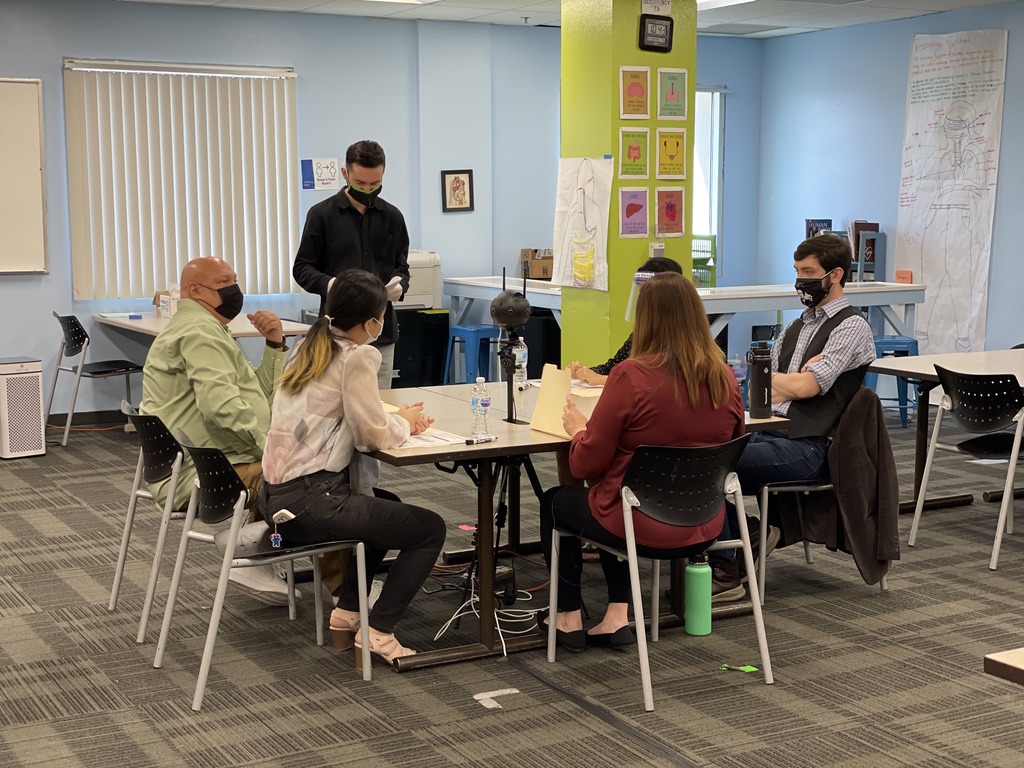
818,364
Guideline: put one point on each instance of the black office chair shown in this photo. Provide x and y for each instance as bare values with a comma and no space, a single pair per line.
985,405
676,486
160,458
220,496
76,342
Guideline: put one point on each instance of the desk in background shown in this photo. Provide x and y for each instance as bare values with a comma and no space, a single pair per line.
721,303
151,325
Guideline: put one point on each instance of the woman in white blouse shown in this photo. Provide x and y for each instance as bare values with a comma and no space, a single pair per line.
328,409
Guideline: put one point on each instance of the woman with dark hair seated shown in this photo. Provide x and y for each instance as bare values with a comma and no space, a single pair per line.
674,390
326,410
598,374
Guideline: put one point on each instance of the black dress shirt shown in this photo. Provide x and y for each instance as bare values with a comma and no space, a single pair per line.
337,237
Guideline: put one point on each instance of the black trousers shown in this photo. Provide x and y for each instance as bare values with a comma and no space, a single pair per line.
326,509
568,509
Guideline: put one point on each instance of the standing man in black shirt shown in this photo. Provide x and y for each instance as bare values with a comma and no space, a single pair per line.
356,229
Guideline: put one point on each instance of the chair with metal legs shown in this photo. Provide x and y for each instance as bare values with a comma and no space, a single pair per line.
76,342
676,486
219,496
985,405
160,458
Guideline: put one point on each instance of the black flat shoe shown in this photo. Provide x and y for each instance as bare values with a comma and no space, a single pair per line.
575,641
620,638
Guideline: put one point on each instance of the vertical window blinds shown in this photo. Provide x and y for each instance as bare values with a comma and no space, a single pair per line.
168,162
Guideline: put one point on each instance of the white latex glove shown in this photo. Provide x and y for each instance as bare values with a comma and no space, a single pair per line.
394,287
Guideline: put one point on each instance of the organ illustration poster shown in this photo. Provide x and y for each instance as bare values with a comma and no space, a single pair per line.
634,155
671,153
633,211
672,89
635,93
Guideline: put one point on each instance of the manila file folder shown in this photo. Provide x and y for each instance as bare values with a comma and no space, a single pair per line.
554,388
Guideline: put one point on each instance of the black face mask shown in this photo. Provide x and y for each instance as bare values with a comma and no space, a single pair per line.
811,290
231,298
364,198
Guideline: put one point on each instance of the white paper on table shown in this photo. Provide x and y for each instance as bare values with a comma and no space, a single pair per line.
389,408
432,438
586,390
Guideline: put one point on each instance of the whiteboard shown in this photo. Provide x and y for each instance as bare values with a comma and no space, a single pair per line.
22,194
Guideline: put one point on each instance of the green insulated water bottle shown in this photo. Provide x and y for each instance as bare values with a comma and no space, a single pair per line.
697,613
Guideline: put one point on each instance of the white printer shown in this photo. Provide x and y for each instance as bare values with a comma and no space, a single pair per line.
424,281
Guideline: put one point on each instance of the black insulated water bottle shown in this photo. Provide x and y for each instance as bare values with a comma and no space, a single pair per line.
759,381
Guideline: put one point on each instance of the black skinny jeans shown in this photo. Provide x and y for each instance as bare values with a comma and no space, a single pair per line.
326,509
568,507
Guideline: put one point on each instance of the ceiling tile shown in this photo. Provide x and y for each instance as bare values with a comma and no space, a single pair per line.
515,18
271,5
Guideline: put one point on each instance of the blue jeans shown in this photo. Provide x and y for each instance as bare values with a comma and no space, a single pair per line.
774,457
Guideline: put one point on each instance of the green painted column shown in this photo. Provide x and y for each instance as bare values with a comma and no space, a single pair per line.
598,38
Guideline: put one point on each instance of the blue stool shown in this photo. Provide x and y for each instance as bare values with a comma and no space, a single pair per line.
900,346
473,336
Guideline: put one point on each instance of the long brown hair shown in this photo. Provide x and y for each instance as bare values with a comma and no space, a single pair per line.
671,326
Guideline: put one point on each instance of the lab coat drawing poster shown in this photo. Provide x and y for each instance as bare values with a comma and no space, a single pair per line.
582,208
948,182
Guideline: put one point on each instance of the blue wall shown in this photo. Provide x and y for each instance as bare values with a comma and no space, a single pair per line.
814,124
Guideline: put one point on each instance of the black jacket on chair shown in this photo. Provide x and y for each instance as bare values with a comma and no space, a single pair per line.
866,493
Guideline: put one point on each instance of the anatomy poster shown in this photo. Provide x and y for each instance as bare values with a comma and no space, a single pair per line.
670,211
672,94
634,93
633,153
582,208
951,141
671,153
633,211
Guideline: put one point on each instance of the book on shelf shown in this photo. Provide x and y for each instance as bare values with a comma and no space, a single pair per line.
855,229
815,227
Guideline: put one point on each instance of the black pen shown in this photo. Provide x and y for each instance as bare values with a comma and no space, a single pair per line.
479,440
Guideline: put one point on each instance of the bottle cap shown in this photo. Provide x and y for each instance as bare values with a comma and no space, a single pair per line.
701,559
480,380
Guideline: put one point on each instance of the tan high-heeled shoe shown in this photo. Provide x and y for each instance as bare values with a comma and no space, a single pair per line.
344,625
384,645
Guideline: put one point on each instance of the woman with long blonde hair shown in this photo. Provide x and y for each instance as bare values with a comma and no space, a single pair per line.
328,409
674,390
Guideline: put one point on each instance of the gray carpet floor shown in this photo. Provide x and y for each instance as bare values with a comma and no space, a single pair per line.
862,678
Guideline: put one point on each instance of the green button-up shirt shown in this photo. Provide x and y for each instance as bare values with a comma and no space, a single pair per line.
197,379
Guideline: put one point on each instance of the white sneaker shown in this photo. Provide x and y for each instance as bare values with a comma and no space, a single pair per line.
262,584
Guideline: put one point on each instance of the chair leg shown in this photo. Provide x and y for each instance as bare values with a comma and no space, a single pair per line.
472,358
762,566
1006,507
919,507
126,536
448,360
808,555
364,612
172,594
158,553
556,540
290,581
218,608
755,599
655,598
883,585
318,599
53,384
638,616
74,396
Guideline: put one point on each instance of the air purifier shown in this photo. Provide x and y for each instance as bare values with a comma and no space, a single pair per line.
21,408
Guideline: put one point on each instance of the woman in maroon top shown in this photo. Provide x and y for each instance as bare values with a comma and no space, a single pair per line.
674,390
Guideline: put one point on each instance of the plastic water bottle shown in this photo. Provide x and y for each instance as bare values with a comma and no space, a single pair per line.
519,377
759,388
697,588
481,404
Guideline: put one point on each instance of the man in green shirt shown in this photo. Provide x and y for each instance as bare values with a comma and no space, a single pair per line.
197,379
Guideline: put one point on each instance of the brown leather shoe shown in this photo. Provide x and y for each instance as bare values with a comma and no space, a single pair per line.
725,581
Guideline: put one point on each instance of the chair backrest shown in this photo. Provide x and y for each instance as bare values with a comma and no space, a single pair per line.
75,336
159,448
219,484
682,486
981,402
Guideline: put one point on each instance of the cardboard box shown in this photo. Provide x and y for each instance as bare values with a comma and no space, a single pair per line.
536,263
165,305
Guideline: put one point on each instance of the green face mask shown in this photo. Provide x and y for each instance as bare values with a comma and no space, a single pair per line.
365,198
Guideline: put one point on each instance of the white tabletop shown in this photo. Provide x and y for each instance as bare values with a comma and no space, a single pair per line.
923,366
151,325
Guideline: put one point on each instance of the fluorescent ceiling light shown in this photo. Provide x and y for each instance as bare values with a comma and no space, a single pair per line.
428,2
704,5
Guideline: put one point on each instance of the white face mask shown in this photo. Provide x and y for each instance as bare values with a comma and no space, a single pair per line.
380,330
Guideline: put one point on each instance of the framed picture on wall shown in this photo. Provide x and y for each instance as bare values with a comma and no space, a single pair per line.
456,191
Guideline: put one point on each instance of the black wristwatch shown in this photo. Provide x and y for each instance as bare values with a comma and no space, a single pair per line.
276,344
